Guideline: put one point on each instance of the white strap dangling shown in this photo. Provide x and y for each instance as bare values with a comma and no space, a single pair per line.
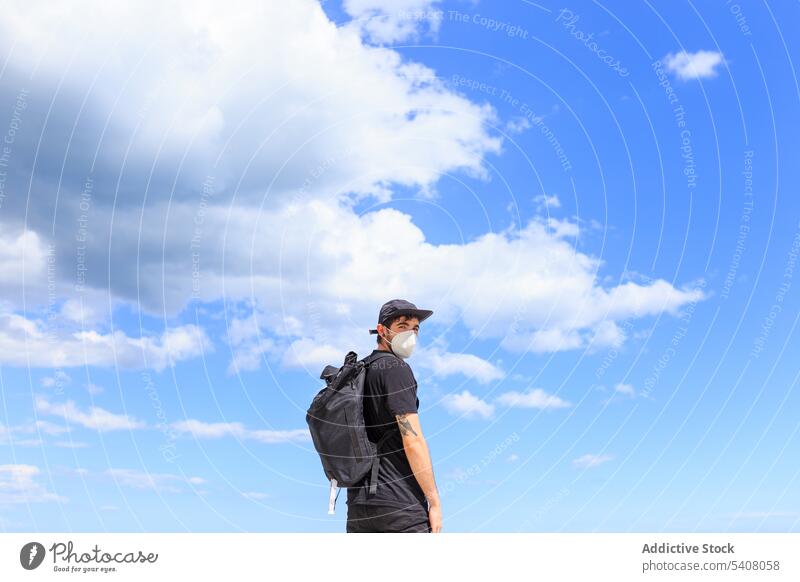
332,498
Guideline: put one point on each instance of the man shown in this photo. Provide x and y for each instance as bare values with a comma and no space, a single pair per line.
406,499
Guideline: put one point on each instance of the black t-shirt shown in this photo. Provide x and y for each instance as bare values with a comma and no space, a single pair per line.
389,389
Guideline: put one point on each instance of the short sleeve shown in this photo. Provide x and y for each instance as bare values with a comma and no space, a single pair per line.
400,387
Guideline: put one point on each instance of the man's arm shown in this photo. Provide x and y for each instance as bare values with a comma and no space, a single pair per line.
419,458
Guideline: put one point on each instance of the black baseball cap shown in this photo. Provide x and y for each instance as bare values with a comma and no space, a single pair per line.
397,307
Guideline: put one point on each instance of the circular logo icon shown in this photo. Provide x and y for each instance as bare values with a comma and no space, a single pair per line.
31,555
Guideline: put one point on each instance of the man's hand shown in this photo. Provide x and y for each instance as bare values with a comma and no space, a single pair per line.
435,517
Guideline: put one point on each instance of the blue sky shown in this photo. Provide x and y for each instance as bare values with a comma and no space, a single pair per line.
200,208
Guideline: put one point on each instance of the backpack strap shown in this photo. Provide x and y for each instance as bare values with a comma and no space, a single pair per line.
376,462
372,357
334,495
373,475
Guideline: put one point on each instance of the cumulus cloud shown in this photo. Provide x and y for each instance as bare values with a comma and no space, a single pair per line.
251,161
442,364
19,484
29,342
186,105
468,405
589,460
536,398
71,444
528,288
255,495
25,253
28,434
697,65
625,389
100,419
48,427
620,391
94,418
517,125
214,430
10,439
543,201
160,482
58,379
391,21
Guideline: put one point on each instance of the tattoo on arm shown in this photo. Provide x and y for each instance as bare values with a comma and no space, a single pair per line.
405,425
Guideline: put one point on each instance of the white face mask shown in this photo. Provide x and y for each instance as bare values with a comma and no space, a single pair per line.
403,343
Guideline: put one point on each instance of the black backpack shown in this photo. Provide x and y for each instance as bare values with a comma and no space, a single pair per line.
336,422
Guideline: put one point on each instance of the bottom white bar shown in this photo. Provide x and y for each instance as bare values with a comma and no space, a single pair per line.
487,557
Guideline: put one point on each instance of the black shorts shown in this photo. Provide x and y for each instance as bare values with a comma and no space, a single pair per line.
367,518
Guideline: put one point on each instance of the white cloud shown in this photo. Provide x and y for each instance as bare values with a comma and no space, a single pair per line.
468,405
605,334
443,364
563,228
517,125
530,289
536,398
10,435
23,252
309,352
18,485
27,342
255,495
590,460
48,427
545,201
59,378
626,389
544,340
38,280
619,391
7,440
390,21
248,342
95,418
30,442
161,482
315,114
307,123
271,95
71,444
212,430
698,65
88,310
